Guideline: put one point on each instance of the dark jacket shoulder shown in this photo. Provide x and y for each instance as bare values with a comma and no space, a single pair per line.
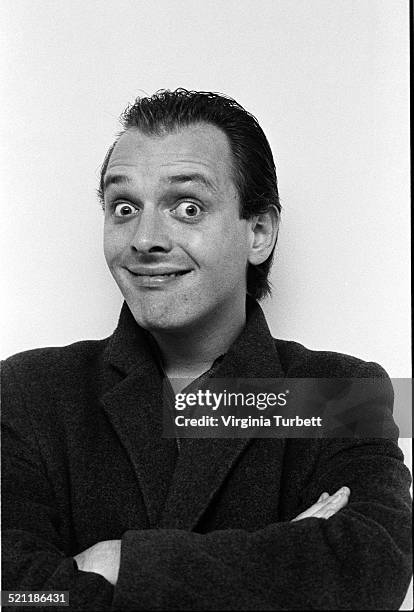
299,361
56,360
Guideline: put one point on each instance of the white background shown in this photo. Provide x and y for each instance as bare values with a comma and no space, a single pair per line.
328,81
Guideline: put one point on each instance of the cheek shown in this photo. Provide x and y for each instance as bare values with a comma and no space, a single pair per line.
228,248
108,248
113,245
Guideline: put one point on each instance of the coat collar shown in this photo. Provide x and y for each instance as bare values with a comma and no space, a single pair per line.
252,355
177,497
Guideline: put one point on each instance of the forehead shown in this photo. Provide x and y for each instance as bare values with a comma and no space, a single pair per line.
201,148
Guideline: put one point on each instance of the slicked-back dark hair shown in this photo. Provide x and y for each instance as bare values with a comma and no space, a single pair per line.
253,165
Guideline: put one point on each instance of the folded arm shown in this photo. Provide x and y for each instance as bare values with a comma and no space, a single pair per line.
104,557
358,558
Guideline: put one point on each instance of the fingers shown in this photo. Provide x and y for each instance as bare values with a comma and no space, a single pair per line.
333,504
327,505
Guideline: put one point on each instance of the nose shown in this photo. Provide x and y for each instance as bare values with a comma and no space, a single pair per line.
151,234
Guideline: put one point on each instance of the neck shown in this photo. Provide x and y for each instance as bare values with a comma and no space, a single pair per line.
190,352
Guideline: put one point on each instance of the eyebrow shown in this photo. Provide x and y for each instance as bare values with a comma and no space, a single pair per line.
176,179
193,177
116,179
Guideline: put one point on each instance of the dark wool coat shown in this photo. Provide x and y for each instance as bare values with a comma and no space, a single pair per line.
84,461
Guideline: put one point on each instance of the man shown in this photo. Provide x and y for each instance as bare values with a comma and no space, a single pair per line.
97,502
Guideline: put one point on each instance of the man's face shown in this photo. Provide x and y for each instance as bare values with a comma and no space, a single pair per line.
174,240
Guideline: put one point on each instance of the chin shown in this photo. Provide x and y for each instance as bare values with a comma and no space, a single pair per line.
161,319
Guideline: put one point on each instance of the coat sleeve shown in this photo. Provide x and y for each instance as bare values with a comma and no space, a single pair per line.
34,555
358,559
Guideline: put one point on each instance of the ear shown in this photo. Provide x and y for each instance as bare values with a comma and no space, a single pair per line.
264,230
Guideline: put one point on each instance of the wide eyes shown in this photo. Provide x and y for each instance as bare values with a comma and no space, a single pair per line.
187,210
124,209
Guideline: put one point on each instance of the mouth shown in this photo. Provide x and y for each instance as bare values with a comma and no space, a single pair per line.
156,279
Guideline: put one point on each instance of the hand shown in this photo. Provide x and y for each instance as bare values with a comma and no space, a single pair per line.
102,558
327,505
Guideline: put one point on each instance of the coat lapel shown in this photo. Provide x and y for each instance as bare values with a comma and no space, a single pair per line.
134,407
203,464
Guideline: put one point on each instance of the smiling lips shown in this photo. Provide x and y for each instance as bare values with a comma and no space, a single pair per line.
156,276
